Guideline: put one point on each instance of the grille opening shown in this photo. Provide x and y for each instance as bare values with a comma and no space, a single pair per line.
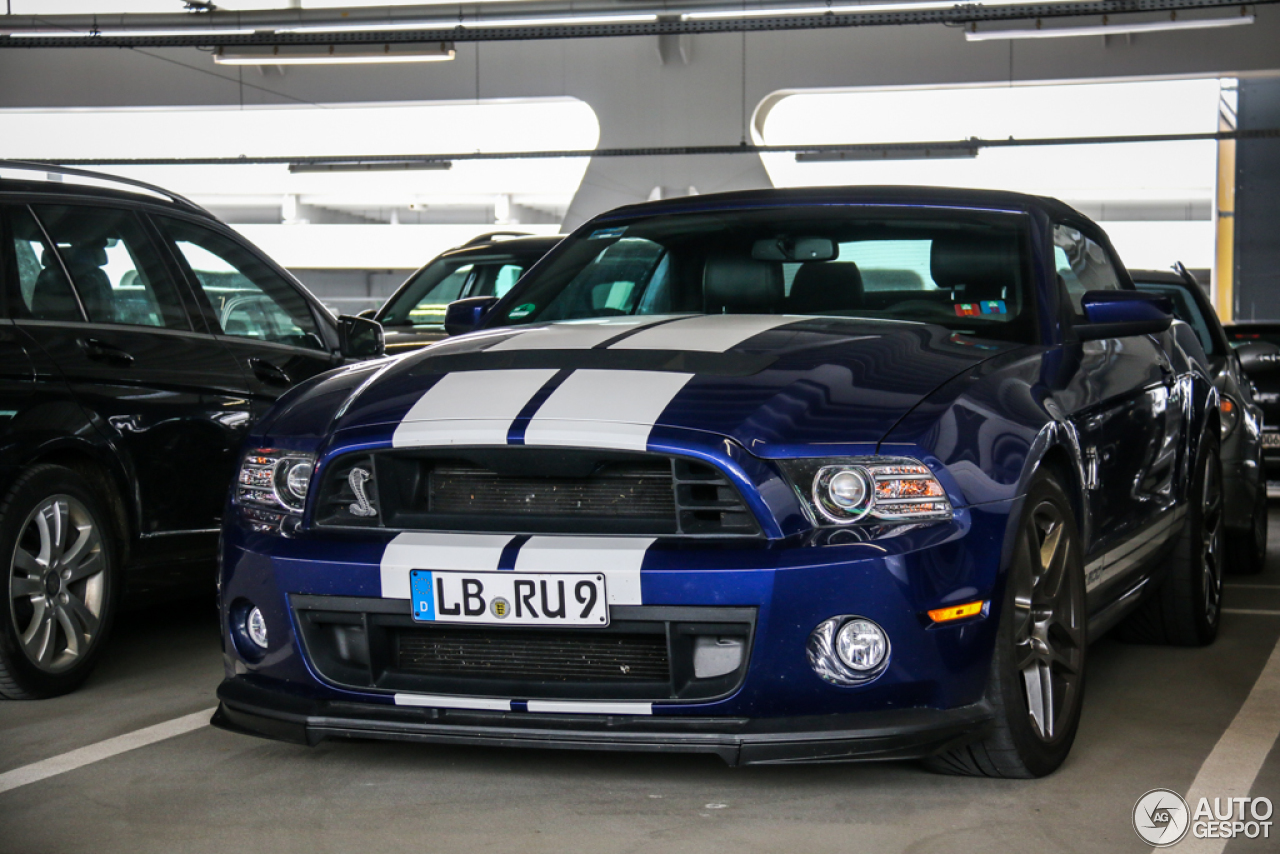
523,490
544,656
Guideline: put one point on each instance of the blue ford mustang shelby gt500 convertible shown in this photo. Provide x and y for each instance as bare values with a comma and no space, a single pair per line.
779,475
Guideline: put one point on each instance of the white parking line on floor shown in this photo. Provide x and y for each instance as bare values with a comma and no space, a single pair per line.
1231,767
46,768
1252,611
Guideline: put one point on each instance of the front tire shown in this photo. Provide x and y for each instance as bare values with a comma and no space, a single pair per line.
1036,686
58,558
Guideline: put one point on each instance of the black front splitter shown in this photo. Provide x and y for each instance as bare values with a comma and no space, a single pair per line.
868,736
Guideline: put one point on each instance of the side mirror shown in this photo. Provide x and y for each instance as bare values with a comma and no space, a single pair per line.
360,337
1259,358
1119,314
464,315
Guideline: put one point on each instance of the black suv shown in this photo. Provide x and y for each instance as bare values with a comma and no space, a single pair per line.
139,339
485,266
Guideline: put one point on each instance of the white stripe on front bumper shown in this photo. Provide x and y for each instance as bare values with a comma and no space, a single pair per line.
618,558
587,708
424,550
439,701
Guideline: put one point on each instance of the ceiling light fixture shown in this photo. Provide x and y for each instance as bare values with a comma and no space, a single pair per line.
370,166
888,153
553,21
1107,29
124,34
333,54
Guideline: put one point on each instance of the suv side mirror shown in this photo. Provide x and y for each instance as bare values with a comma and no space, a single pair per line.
1258,357
464,315
360,337
1119,314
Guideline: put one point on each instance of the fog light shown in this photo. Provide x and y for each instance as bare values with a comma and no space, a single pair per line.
848,650
256,627
861,644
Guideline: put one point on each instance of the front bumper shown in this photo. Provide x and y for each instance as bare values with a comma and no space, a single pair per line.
868,736
777,708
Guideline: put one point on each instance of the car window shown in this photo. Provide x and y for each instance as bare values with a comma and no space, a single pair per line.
248,298
1082,265
969,272
494,280
424,297
1185,308
113,265
43,292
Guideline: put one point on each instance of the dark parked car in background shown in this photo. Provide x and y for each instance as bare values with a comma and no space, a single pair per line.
1258,346
140,338
1243,479
486,266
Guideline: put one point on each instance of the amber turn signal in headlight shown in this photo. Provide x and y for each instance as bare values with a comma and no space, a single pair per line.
957,612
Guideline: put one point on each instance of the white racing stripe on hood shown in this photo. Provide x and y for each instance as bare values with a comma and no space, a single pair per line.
711,333
604,409
469,408
617,558
423,550
573,334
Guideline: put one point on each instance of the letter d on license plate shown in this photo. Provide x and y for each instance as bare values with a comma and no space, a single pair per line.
509,598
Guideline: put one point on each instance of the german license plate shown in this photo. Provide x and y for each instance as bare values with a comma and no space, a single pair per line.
509,598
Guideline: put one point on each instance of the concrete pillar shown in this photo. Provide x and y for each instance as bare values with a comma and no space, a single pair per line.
1257,204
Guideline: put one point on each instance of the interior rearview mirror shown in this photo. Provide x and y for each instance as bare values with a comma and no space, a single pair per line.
464,315
360,337
789,248
1119,314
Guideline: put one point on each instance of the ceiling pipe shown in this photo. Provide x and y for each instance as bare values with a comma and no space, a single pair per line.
508,20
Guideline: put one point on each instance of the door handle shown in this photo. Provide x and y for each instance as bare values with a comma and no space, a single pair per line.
269,373
100,351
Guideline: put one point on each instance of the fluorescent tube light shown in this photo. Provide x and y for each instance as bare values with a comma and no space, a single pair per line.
371,166
124,34
544,21
333,54
863,154
1108,29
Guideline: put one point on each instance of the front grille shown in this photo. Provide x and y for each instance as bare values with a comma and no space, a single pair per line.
646,653
524,490
554,656
617,490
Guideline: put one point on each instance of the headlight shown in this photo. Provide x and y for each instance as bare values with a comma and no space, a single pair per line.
274,480
881,489
1229,414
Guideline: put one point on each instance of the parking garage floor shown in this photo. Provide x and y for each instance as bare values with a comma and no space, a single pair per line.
1154,717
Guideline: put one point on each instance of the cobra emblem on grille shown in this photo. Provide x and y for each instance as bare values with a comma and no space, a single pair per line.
362,506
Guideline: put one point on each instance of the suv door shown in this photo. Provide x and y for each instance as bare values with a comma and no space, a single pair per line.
262,318
94,294
1132,425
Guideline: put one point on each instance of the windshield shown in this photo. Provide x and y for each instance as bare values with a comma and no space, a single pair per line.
421,301
967,271
1185,308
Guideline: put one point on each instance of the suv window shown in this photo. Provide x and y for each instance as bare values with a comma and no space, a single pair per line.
114,268
1082,265
422,302
43,290
248,298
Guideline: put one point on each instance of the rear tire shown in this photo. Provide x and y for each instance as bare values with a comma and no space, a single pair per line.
1248,548
1037,671
58,587
1187,607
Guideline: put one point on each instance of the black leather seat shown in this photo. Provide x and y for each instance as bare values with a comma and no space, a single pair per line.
84,261
52,297
738,284
976,268
825,287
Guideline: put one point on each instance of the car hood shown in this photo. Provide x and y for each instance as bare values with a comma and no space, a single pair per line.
777,385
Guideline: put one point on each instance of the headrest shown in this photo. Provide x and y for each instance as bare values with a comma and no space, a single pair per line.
824,286
85,255
979,266
738,284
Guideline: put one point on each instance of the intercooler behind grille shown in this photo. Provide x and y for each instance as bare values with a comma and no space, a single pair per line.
548,656
618,490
